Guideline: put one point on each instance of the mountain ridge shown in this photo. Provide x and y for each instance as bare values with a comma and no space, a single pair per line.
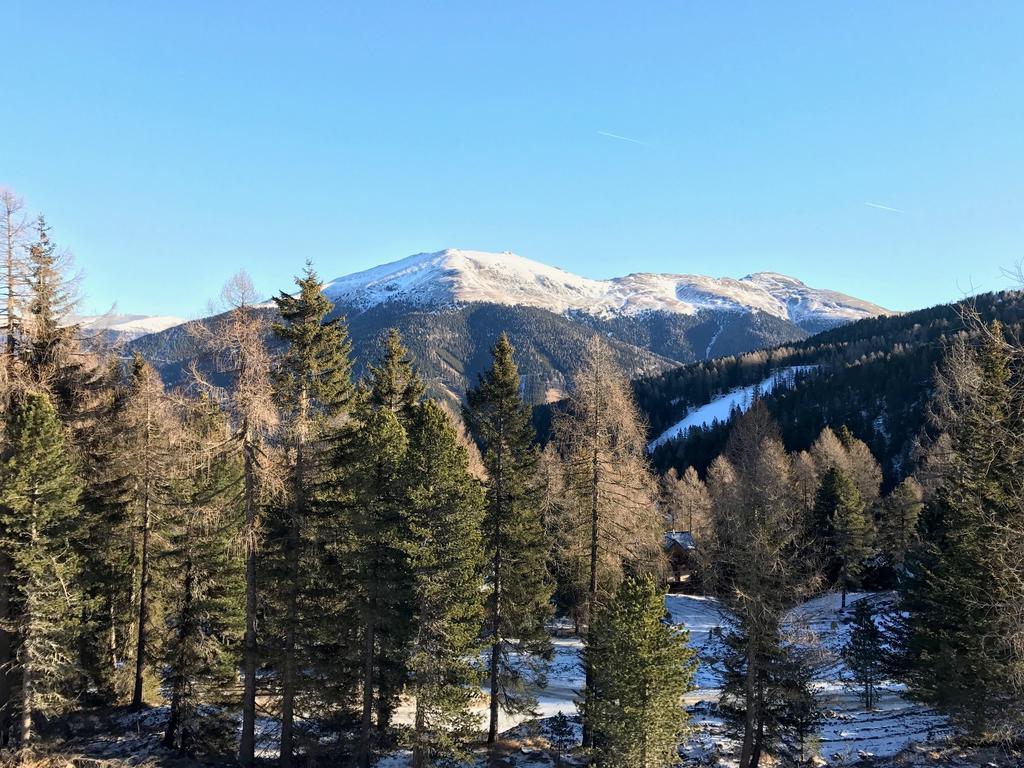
453,277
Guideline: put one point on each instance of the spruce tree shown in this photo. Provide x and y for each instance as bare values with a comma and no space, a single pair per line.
898,526
39,504
108,545
204,591
444,549
864,653
395,383
642,668
313,389
519,590
841,513
949,644
49,347
376,551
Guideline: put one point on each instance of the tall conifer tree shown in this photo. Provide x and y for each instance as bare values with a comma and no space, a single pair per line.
39,505
950,648
313,388
204,590
444,547
519,590
642,668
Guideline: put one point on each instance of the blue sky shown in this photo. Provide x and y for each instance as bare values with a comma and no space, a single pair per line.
171,144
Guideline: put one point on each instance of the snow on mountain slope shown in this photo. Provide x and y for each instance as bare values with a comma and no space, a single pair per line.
131,326
719,409
452,277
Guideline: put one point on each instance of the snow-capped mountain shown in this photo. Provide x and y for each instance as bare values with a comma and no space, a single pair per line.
127,326
456,277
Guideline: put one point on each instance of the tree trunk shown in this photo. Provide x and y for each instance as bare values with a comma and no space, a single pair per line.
184,627
588,696
749,718
247,742
288,674
495,660
293,549
140,648
27,694
366,725
419,754
6,704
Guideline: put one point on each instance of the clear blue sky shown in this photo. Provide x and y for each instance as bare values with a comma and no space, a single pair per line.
171,144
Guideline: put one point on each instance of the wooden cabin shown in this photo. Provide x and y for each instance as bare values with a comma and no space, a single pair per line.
680,550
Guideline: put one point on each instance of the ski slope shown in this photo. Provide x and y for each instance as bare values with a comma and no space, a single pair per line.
719,409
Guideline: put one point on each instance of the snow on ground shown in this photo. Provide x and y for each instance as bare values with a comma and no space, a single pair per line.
719,408
846,731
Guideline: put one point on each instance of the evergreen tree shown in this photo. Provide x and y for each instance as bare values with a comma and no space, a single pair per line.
519,591
204,591
642,668
313,389
864,653
841,514
108,543
39,493
48,351
377,541
898,525
444,549
950,650
396,385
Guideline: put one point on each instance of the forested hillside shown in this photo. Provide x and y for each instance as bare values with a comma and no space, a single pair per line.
873,376
451,344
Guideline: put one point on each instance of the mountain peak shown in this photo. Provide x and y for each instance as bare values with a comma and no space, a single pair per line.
456,276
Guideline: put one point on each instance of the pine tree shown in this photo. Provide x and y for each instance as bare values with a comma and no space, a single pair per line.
642,668
519,591
864,653
377,541
898,525
840,511
314,390
949,644
396,385
444,549
108,545
48,351
204,591
38,510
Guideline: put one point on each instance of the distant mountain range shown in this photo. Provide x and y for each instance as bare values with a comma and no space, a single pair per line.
455,277
126,326
451,305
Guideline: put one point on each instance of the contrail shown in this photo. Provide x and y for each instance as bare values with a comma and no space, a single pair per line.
622,138
884,207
